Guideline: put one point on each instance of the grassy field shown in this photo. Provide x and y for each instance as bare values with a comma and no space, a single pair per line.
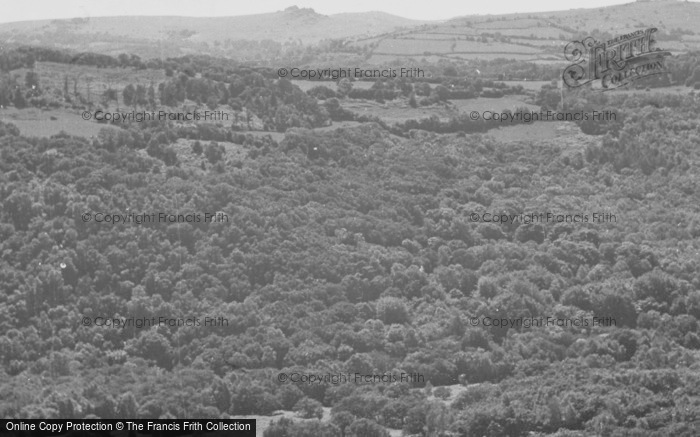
414,47
378,59
34,122
277,136
665,90
537,37
306,85
337,125
485,104
538,131
492,56
397,111
90,81
516,23
533,85
537,32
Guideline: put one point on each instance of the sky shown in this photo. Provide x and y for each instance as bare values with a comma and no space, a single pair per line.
16,10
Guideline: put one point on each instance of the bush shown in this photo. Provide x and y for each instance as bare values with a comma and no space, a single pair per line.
214,152
197,148
392,310
308,408
442,392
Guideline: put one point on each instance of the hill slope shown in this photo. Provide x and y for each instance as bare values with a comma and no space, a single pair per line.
541,36
178,35
378,36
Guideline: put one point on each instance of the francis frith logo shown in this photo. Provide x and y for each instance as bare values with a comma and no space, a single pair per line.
613,63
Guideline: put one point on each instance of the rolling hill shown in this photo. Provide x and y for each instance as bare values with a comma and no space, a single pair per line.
538,37
180,35
370,37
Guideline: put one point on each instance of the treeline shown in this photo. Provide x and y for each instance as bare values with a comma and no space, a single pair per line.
417,93
27,56
277,104
632,137
645,144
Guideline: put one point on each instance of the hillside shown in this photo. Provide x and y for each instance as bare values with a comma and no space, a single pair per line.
378,37
468,252
179,35
539,37
541,278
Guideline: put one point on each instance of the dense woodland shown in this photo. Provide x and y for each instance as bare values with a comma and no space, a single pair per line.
352,250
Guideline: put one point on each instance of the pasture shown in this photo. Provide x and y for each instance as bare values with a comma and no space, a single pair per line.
34,122
482,104
90,82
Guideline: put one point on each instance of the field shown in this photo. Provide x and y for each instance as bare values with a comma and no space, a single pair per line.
306,85
535,132
396,111
482,104
535,37
532,85
680,90
277,136
91,81
35,122
415,47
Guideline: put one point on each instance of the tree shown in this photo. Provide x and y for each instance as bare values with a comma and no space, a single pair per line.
19,101
366,428
197,148
169,156
151,96
152,346
344,87
140,96
127,407
282,428
19,207
308,408
253,399
222,395
31,79
437,418
129,95
288,396
392,310
412,101
214,152
342,419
